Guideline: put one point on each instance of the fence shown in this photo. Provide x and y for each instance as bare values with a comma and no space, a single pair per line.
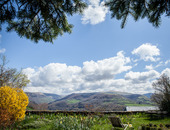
82,112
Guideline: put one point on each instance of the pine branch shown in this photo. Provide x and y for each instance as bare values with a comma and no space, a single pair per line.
124,20
126,16
4,3
32,19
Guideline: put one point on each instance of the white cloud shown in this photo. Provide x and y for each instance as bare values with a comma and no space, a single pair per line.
167,62
53,74
95,12
105,69
166,71
149,67
93,76
29,72
141,77
159,64
94,2
98,76
147,52
2,50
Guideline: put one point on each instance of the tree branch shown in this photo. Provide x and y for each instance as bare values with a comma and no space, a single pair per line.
32,19
4,3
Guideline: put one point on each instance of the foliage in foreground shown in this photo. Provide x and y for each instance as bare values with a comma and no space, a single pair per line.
162,93
13,102
47,19
10,76
39,19
89,122
139,9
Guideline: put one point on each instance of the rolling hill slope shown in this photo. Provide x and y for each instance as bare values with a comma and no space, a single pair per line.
40,98
109,101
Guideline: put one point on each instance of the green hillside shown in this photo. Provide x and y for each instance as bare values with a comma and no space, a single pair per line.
99,101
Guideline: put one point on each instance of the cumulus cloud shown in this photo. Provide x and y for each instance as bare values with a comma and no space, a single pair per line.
147,52
93,76
149,67
99,76
107,68
29,72
95,12
141,77
52,74
166,71
2,50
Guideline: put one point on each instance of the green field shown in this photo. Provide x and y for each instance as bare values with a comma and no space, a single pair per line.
80,122
138,105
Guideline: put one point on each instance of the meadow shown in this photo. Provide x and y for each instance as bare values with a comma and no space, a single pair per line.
87,122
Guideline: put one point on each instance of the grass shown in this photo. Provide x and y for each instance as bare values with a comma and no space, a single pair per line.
145,121
142,119
80,122
29,108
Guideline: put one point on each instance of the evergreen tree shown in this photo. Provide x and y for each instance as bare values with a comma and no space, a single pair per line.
150,9
39,19
46,19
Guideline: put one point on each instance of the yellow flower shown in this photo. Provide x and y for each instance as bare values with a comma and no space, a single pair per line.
14,100
61,122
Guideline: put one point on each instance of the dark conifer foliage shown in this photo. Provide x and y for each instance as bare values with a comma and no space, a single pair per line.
39,19
46,19
150,9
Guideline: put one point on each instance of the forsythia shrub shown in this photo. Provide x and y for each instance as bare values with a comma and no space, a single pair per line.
5,118
13,102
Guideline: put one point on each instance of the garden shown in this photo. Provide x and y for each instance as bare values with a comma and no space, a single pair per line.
89,122
13,114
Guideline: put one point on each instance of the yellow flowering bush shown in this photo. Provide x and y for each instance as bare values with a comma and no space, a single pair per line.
14,102
5,118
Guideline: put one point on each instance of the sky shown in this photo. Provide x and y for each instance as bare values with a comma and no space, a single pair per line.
98,55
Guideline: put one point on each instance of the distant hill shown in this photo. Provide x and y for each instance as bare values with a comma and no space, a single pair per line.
107,101
39,98
148,95
117,92
98,101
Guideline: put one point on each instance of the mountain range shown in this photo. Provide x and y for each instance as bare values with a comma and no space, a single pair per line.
98,101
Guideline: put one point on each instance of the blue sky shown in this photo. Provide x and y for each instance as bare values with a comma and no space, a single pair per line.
97,56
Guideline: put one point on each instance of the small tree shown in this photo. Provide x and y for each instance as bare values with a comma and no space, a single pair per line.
162,93
11,77
13,102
